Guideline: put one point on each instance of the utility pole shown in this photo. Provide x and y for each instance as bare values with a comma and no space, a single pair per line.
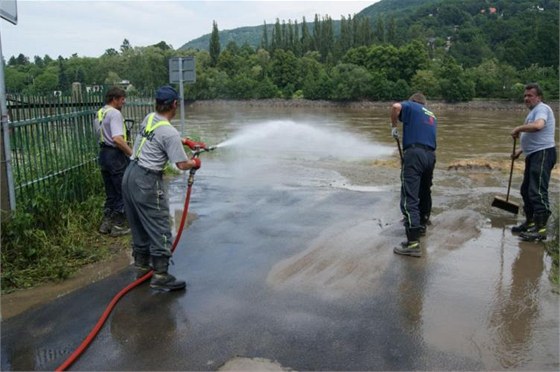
8,11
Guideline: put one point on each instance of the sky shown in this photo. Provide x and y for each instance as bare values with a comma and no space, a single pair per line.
88,28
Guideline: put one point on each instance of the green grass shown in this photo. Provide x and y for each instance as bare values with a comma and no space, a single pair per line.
38,248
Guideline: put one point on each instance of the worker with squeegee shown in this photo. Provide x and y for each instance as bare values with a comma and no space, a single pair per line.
145,199
537,142
418,162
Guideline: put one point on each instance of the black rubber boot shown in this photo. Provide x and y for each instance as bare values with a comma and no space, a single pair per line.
106,224
536,232
524,227
141,264
412,246
162,280
120,225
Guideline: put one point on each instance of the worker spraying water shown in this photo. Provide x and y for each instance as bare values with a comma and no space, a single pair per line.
146,204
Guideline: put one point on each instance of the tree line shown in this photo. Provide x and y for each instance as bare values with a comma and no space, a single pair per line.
353,59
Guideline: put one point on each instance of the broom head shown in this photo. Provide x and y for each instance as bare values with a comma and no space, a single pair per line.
505,205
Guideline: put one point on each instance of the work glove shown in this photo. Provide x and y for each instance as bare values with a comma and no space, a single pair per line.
193,145
197,163
395,133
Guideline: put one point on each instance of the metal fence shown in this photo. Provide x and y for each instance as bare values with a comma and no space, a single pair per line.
54,145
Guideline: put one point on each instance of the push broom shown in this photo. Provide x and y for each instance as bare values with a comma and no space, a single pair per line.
502,203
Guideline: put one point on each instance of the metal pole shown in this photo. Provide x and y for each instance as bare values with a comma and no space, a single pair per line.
182,96
6,135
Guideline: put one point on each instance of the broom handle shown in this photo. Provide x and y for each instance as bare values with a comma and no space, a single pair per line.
511,169
400,150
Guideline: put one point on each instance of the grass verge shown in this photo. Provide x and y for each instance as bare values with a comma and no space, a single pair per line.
53,242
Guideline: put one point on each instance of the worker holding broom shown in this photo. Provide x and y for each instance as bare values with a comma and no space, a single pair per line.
418,162
537,142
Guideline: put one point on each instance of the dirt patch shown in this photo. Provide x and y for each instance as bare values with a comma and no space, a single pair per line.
347,259
485,164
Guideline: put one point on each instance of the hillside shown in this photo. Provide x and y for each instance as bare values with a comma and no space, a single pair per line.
521,32
252,34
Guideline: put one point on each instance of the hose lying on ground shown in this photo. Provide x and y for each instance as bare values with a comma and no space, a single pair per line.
93,333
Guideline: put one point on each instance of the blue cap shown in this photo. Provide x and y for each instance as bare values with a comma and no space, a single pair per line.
166,94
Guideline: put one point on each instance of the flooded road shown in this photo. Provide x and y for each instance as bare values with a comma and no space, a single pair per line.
290,259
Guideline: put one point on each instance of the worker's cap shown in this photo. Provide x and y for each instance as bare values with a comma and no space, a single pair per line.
166,94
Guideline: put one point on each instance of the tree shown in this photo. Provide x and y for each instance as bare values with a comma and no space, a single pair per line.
16,81
426,82
46,83
62,80
306,39
350,82
38,62
455,86
320,87
214,47
380,30
392,31
264,38
22,60
111,52
163,46
125,45
284,71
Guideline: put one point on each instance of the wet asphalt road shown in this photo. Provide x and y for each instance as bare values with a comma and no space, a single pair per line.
295,270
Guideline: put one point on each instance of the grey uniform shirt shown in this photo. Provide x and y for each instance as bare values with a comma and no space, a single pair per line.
543,139
112,125
163,145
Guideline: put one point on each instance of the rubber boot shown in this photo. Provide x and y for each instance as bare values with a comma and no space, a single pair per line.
424,222
536,232
161,279
525,226
106,223
120,225
141,264
412,246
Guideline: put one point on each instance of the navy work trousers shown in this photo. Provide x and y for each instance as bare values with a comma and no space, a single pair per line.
534,189
113,163
416,178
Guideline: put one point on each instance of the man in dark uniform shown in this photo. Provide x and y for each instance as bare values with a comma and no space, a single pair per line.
114,154
419,159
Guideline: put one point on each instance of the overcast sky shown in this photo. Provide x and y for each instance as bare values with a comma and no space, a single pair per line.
88,28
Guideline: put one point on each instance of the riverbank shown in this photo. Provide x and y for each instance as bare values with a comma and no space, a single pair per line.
477,104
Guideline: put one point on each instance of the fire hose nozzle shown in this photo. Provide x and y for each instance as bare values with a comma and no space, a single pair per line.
200,150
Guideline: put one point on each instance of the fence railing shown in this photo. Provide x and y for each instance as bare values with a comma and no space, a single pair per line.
54,145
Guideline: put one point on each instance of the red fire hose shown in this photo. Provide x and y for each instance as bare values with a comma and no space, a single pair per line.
93,333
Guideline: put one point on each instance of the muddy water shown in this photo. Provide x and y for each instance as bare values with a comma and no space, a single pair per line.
478,294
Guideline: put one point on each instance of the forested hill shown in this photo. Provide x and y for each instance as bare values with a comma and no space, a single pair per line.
520,32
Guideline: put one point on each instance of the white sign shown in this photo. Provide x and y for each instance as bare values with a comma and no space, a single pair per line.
8,10
182,69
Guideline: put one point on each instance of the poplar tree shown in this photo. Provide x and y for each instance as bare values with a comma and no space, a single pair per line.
264,39
214,47
306,40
